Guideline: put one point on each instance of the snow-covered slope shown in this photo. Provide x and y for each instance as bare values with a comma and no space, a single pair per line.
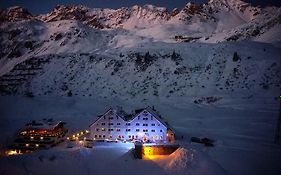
130,53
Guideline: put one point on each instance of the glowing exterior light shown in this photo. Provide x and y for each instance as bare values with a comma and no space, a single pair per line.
85,138
27,145
73,135
37,145
82,133
41,138
31,138
87,131
67,138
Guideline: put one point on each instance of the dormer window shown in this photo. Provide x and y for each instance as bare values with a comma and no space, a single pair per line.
145,113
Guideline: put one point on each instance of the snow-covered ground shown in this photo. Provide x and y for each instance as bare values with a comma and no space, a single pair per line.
243,132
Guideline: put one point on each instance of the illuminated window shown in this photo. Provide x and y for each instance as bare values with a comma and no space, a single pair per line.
103,129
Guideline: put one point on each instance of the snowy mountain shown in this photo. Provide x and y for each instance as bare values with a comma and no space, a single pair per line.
131,53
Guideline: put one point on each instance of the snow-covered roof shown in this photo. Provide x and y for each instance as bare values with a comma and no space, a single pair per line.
43,124
129,117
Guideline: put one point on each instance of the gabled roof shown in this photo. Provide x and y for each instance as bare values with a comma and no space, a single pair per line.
119,112
154,113
129,117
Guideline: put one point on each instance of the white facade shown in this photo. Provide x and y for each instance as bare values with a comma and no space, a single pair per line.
146,125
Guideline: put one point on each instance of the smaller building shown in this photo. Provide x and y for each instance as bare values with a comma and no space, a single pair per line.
38,135
144,125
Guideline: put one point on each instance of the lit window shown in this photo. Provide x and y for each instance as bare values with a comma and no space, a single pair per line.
103,129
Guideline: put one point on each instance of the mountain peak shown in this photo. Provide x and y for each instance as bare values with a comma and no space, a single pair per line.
15,13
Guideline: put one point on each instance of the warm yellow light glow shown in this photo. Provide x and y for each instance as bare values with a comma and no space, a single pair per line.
41,138
37,145
152,157
82,133
85,138
67,138
73,135
31,137
27,145
12,152
87,131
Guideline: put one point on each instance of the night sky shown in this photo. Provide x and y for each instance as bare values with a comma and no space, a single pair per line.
44,6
